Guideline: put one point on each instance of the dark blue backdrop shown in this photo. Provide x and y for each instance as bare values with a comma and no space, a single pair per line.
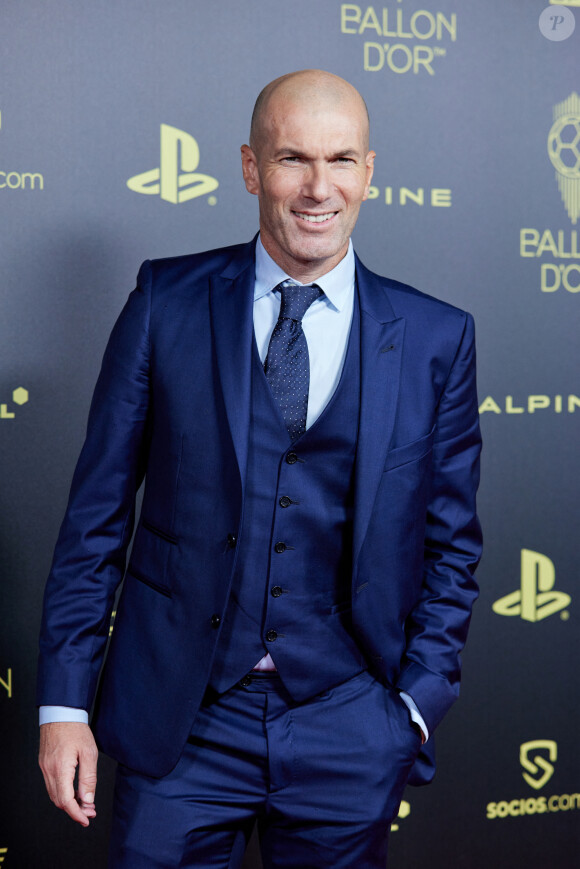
476,200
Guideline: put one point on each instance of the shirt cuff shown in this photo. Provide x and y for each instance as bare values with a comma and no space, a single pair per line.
51,714
414,712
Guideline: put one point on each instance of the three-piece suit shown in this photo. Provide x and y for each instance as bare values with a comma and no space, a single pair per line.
352,549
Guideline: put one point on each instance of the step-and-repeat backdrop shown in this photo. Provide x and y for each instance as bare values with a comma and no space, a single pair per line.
120,124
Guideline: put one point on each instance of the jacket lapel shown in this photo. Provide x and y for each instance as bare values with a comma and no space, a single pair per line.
231,305
381,353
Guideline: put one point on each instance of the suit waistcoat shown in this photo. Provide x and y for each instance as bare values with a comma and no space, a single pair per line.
291,590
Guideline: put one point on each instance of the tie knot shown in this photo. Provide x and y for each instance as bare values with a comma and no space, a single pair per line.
296,299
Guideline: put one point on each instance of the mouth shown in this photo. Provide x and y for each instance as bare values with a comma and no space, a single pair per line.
315,218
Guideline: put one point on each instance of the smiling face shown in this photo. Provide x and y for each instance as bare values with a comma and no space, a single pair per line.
310,167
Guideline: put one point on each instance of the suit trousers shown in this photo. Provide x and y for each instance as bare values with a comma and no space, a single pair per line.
322,778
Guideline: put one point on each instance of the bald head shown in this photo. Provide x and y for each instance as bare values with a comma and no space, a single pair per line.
309,164
310,89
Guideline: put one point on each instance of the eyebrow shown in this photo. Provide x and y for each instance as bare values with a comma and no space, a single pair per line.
348,152
294,152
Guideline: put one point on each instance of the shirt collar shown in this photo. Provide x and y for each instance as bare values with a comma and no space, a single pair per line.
336,284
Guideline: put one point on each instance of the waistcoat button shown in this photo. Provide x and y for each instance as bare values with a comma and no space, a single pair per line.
285,501
271,636
232,540
280,547
245,681
215,621
276,591
291,458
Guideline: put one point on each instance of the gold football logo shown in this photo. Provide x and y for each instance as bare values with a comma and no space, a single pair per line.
564,152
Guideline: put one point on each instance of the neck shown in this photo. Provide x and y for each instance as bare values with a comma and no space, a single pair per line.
306,272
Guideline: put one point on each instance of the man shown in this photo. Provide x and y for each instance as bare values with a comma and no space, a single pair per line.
301,579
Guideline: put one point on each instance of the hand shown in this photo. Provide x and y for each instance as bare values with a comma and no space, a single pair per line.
64,745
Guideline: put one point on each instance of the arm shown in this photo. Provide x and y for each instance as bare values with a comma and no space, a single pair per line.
437,626
90,554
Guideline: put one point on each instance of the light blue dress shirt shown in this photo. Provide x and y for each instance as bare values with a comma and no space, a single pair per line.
326,325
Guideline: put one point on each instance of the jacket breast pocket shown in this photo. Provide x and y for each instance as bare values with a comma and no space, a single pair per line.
149,561
411,452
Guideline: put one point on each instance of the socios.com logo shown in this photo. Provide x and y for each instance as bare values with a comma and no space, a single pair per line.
176,179
20,180
535,599
539,771
564,152
537,759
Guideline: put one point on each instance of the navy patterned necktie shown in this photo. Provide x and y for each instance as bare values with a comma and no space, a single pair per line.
287,366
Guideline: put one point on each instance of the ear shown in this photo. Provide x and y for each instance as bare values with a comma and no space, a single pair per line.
370,167
250,170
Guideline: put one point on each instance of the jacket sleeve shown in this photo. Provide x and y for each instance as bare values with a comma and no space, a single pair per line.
437,626
90,555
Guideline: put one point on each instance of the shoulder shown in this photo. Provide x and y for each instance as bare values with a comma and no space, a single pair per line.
181,271
407,301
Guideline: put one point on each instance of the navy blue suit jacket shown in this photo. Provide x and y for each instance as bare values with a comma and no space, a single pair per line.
172,405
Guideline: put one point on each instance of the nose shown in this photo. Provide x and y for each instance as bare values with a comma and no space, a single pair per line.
318,184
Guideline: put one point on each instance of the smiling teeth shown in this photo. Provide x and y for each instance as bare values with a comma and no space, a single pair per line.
315,218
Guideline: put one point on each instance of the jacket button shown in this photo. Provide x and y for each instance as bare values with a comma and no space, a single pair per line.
276,591
271,636
245,681
215,621
232,540
280,547
291,458
285,501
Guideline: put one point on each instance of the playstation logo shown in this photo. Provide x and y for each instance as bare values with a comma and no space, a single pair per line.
175,180
535,599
